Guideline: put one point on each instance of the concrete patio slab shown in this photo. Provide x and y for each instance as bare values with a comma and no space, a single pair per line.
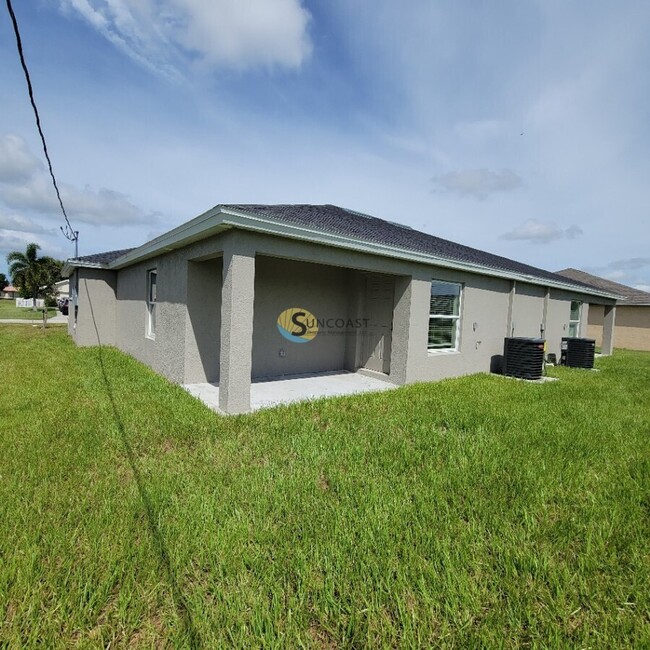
271,392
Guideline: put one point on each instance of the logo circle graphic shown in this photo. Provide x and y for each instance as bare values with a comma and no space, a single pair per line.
297,325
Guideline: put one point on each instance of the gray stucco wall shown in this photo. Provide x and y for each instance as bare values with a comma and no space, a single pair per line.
483,325
528,310
188,284
557,320
165,353
485,303
203,331
327,281
95,322
355,307
132,314
283,284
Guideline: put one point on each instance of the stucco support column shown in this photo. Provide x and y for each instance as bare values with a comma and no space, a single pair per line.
410,326
236,350
584,319
609,321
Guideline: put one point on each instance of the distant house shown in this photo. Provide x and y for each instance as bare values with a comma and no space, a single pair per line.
247,292
62,288
632,327
8,293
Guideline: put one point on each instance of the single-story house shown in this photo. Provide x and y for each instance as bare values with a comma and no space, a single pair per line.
62,288
632,327
247,292
8,293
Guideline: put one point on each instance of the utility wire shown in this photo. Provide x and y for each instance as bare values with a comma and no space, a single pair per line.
69,233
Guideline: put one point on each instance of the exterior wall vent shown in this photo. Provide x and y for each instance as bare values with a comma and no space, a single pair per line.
578,353
523,358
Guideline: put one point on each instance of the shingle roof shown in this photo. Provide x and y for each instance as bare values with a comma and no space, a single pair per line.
101,258
333,219
353,227
631,295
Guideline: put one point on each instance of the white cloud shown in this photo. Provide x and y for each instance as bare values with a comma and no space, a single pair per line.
25,186
18,223
17,162
11,241
15,241
630,264
642,287
103,206
477,183
163,34
628,271
99,207
542,232
616,276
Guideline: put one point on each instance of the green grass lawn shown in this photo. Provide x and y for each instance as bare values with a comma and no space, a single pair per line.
471,513
8,309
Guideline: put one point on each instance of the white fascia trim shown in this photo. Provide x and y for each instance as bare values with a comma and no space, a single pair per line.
219,218
72,264
197,228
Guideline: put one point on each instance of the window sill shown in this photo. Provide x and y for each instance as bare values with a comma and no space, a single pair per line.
442,352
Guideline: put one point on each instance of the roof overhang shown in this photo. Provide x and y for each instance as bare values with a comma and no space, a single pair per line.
72,264
220,219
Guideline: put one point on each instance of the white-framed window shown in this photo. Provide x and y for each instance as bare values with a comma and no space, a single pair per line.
574,318
152,277
444,315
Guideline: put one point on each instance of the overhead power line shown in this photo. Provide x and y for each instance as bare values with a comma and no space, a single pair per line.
71,234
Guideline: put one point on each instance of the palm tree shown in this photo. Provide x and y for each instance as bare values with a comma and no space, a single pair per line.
33,275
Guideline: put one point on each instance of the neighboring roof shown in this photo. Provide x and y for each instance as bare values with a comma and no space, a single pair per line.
331,225
630,295
10,289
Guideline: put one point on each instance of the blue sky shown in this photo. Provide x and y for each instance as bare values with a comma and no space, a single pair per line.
521,128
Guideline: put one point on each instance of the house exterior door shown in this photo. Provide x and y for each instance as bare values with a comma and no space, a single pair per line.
379,312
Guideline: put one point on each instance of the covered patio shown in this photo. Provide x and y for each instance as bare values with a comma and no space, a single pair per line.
270,392
282,330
